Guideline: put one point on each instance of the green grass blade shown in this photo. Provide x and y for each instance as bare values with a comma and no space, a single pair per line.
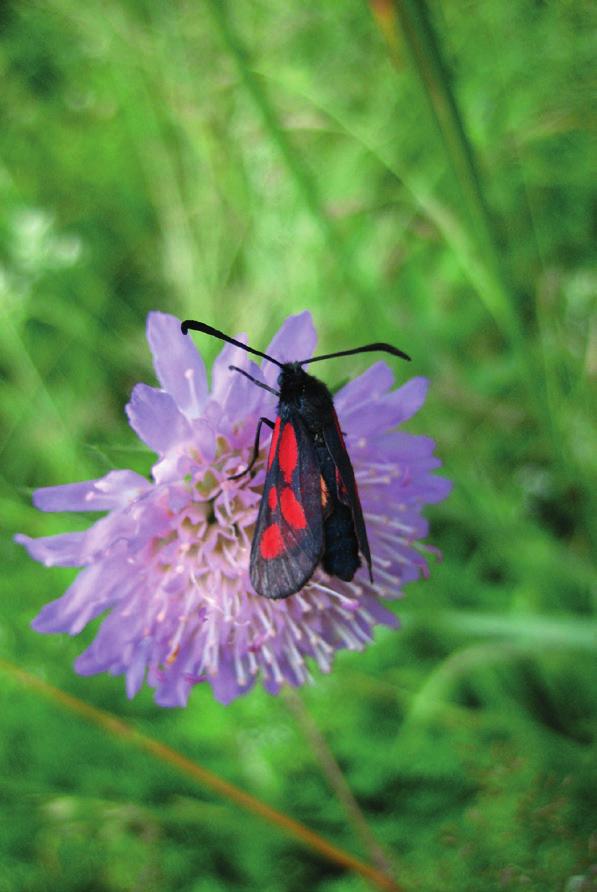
304,180
424,51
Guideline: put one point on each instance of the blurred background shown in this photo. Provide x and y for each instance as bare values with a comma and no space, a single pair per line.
417,173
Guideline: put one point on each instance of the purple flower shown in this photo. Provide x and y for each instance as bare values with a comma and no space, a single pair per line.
169,562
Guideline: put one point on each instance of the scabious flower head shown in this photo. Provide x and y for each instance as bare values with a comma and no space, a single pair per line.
169,562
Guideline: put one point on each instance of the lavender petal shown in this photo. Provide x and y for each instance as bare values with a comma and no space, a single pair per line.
296,339
64,550
95,588
117,488
178,365
154,416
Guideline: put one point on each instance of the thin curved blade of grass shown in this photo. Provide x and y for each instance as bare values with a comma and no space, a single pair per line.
336,780
123,731
507,639
133,89
305,182
454,234
438,686
407,23
423,49
569,632
36,392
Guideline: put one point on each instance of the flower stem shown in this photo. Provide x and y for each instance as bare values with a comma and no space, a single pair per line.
337,781
123,731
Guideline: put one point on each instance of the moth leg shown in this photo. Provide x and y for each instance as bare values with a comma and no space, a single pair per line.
262,421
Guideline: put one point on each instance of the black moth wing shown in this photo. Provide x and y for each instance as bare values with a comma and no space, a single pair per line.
288,540
347,490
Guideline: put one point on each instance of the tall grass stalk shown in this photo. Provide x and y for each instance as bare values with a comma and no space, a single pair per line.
406,23
337,781
121,730
424,52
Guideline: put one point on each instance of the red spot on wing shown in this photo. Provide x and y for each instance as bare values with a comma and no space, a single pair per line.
271,545
274,443
288,457
292,510
342,491
272,498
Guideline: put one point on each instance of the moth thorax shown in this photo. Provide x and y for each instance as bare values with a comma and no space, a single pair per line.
304,394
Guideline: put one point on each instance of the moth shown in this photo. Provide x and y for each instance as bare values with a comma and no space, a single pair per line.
310,512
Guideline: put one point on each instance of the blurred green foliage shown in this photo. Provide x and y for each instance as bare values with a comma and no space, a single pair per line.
238,167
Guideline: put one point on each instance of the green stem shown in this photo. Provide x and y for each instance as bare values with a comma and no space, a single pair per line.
422,47
424,50
337,781
128,734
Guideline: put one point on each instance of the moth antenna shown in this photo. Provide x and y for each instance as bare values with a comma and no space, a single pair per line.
368,348
235,368
207,329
